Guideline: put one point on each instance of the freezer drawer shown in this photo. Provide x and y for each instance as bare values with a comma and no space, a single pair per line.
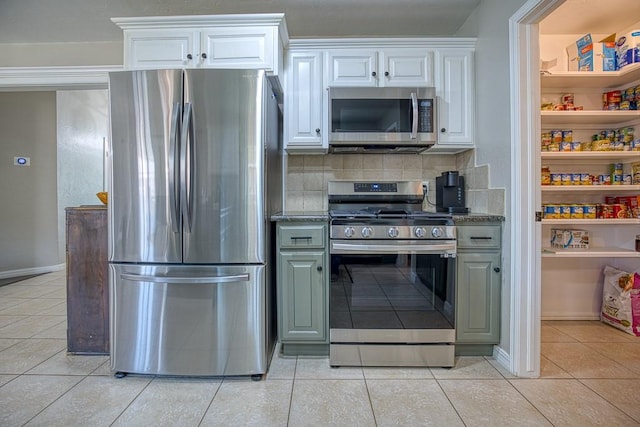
188,320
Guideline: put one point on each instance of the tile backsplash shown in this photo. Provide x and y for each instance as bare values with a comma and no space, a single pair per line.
307,177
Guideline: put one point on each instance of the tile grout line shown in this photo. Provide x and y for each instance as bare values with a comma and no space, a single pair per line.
293,385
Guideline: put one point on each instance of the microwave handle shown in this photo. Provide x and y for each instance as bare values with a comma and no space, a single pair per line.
414,106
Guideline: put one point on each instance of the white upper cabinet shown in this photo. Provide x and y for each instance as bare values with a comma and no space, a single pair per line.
455,91
312,66
304,129
406,67
157,49
386,67
218,41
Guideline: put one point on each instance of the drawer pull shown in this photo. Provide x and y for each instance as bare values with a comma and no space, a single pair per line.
296,238
480,238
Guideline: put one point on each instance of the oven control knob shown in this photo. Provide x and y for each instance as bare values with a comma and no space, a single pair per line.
349,231
367,232
437,232
420,232
393,232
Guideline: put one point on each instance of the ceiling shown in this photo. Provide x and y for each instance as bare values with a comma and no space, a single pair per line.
42,21
34,21
591,16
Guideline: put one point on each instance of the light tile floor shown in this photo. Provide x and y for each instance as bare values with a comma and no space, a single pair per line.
590,376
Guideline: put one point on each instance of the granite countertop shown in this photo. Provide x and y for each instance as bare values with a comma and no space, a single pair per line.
301,216
324,216
476,217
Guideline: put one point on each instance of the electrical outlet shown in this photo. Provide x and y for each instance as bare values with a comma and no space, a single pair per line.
425,186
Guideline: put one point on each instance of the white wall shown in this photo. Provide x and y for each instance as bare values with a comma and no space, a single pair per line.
28,234
60,54
490,24
82,126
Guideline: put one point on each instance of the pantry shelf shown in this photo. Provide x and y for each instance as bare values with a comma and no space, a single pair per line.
602,252
578,221
589,188
621,156
588,117
590,79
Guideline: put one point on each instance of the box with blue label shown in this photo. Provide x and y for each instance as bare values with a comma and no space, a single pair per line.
580,54
564,238
628,48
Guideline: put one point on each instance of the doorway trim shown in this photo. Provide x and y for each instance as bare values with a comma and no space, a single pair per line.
525,182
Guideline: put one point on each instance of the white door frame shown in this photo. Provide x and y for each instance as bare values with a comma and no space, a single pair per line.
525,181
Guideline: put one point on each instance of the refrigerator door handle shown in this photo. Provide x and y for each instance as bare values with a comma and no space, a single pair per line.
193,280
187,161
174,170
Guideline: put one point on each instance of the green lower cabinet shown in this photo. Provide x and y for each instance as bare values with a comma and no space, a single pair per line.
479,280
303,314
302,287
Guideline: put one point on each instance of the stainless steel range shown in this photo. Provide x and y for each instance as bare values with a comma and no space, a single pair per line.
392,277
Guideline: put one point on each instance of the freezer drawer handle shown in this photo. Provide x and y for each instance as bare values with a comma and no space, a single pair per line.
164,279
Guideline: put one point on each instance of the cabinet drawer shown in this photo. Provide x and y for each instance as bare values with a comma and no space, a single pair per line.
308,236
478,236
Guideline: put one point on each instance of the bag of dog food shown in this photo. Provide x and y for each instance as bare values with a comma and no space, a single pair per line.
621,300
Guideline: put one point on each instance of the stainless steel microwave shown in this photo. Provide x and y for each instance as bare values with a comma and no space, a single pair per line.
389,119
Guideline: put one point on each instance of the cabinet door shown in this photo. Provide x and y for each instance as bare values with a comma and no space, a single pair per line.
303,106
161,49
455,91
302,299
247,48
478,298
406,67
353,67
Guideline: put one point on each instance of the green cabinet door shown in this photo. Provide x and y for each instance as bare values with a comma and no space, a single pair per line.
302,310
478,298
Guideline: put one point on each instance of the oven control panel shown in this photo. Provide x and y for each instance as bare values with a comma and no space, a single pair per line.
364,231
375,187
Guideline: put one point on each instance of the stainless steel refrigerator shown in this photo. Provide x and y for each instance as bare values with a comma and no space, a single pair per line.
195,162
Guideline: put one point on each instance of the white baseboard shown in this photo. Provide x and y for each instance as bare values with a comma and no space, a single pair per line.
570,316
502,357
31,271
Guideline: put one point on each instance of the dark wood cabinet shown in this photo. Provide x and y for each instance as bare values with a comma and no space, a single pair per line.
87,280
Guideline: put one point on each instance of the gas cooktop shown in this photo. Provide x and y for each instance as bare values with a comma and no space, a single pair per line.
376,212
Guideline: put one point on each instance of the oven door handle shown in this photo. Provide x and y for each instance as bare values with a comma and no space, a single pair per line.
342,248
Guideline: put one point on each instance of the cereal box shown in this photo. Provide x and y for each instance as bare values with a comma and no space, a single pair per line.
569,238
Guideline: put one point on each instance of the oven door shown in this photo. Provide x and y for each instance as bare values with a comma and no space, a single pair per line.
392,303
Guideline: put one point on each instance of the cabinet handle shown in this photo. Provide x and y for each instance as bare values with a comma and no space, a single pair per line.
373,73
317,131
480,238
204,56
319,268
386,74
496,269
307,239
189,56
443,130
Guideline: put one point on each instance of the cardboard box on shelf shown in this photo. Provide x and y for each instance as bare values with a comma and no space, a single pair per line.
628,48
585,55
564,238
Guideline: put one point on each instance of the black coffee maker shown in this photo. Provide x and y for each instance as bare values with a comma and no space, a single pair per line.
450,193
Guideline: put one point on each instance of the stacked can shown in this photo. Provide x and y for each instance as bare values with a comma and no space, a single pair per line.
616,174
611,100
